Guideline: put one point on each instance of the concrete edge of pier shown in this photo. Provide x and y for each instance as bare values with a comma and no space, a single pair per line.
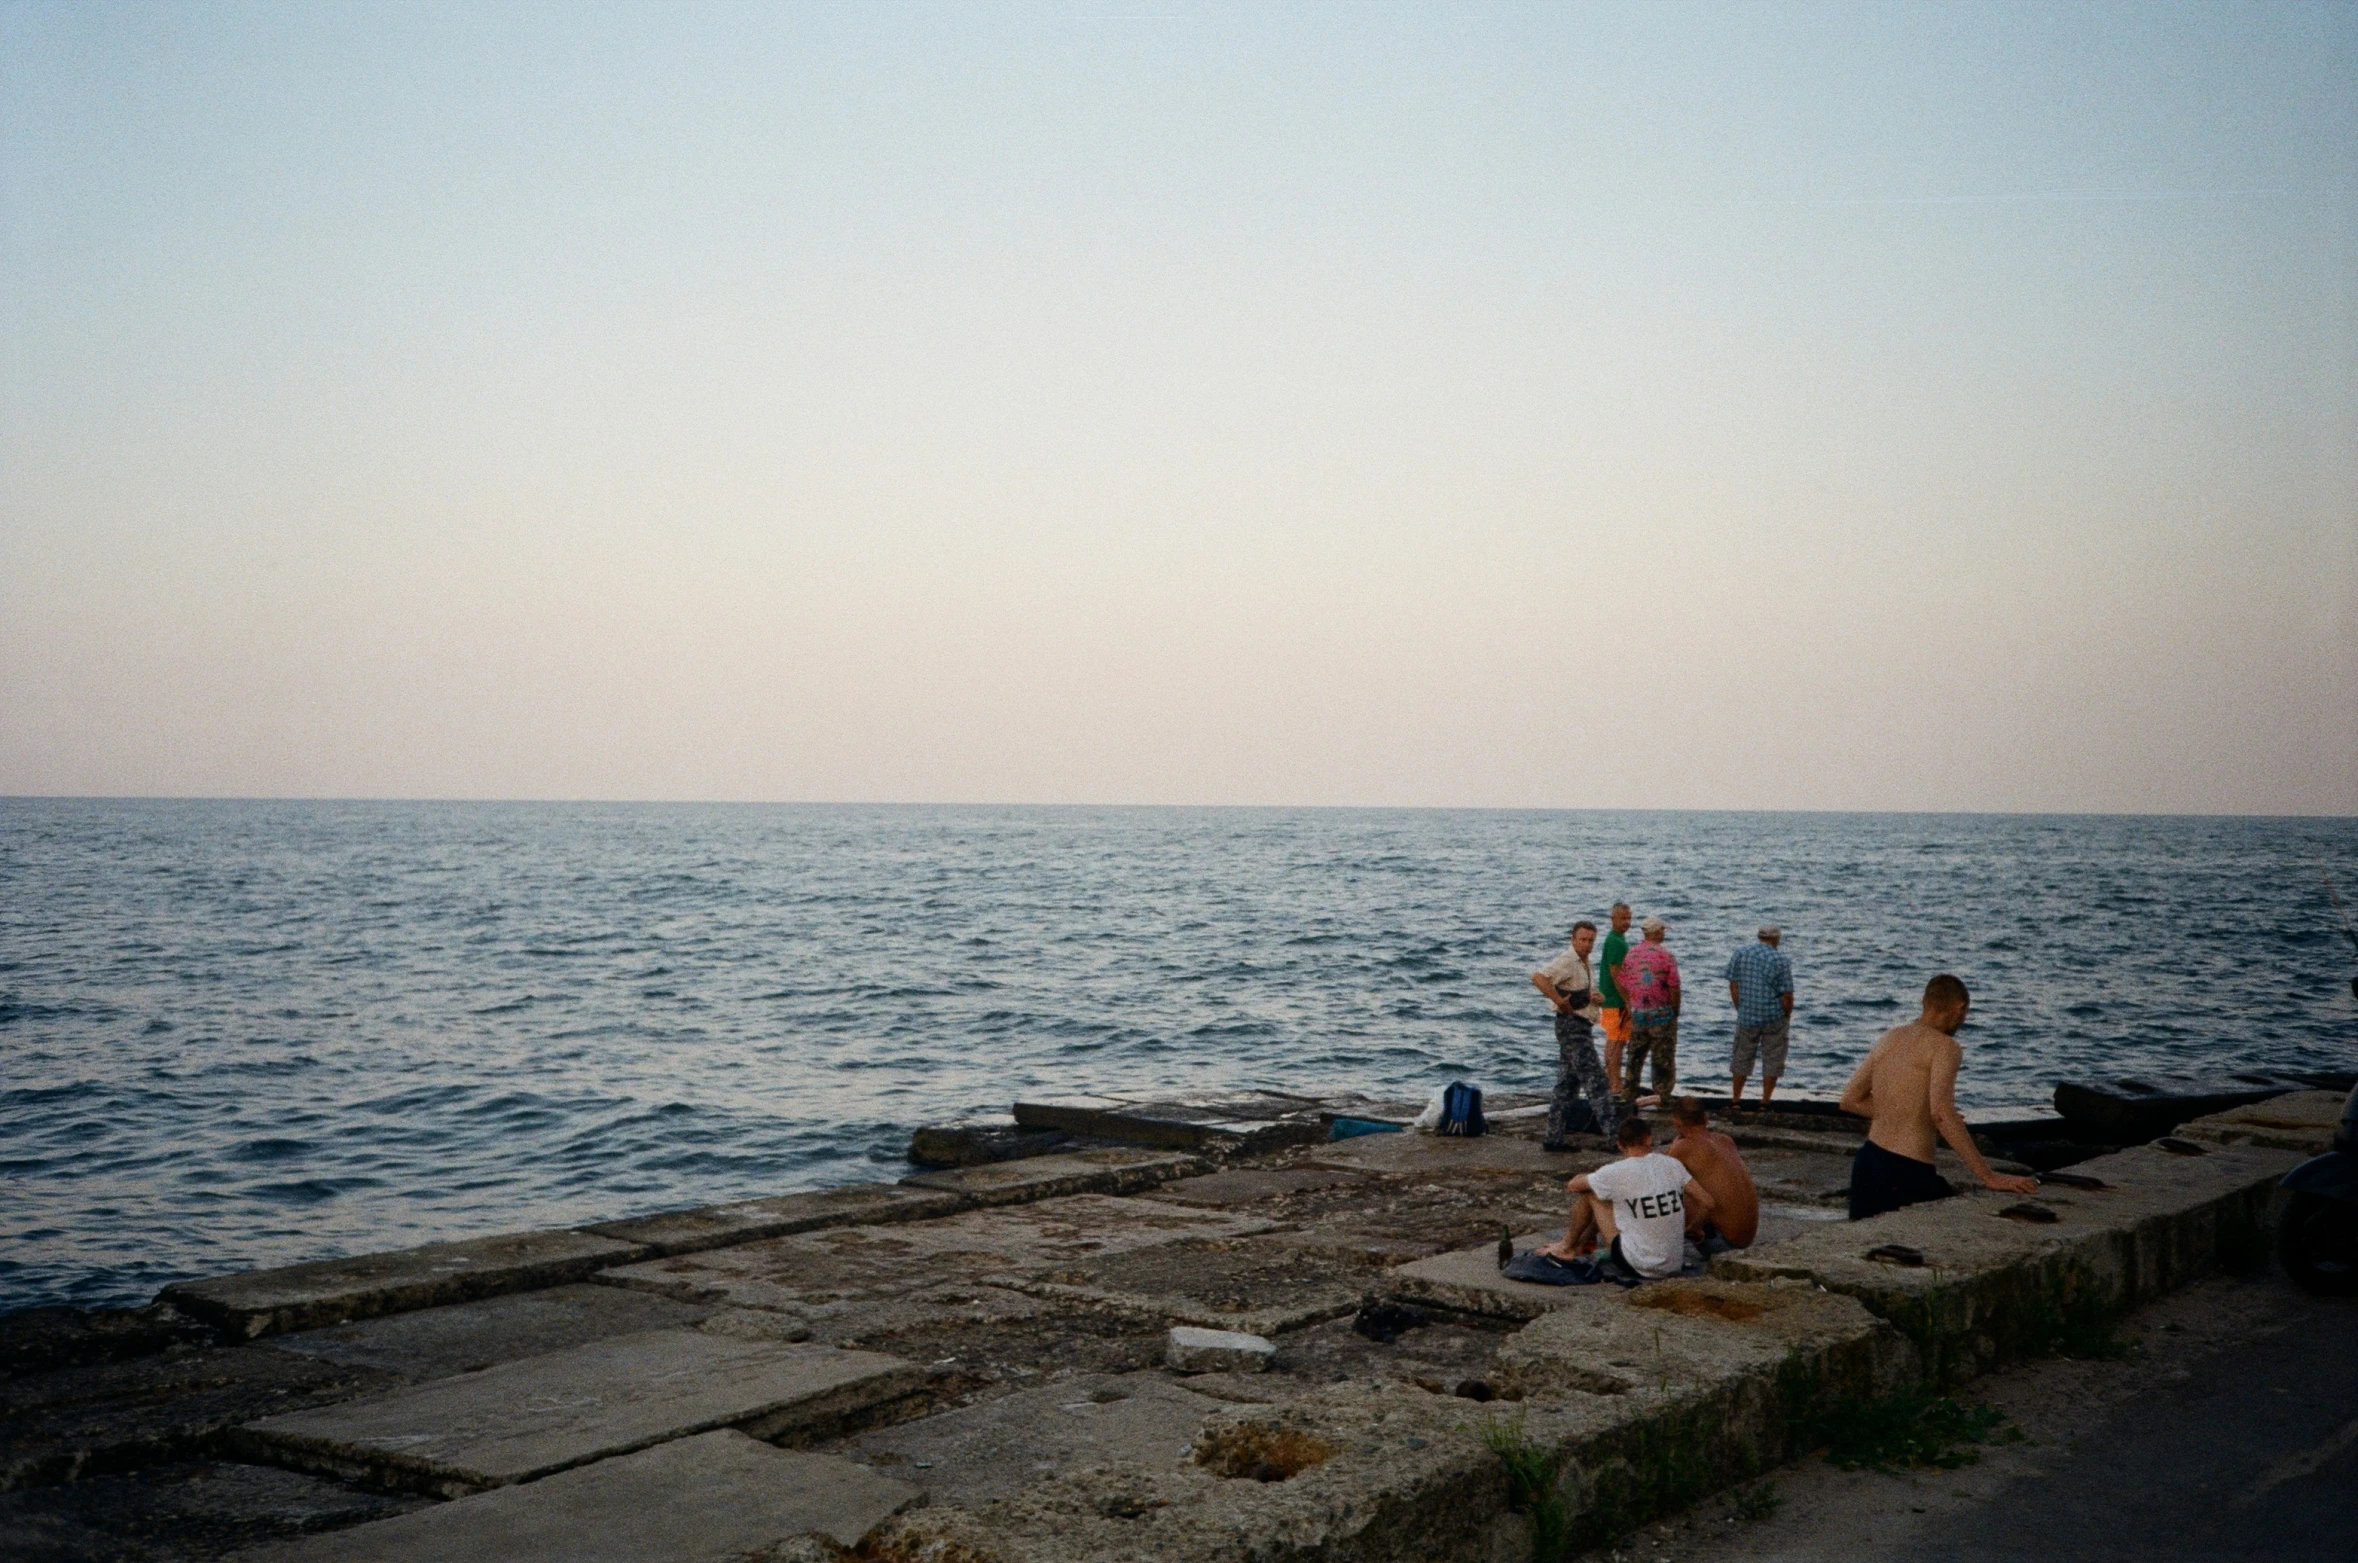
1627,1404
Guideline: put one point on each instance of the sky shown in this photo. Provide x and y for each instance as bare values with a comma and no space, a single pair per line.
1813,407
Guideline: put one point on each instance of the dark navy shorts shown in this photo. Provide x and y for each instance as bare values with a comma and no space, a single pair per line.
1882,1181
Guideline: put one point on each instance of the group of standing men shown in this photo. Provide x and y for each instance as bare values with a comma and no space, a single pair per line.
1633,993
1905,1087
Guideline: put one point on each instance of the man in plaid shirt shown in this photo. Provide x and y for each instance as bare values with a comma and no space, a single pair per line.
1760,983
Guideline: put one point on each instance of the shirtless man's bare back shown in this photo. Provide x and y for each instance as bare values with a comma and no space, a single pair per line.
1907,1088
1711,1159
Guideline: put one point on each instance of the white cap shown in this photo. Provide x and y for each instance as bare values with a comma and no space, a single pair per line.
1654,925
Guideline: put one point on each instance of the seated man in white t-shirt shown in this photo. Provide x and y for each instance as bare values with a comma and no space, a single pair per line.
1638,1206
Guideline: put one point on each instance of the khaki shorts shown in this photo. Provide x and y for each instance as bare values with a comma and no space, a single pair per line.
1769,1042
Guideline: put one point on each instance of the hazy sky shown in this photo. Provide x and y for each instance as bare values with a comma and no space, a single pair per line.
1820,407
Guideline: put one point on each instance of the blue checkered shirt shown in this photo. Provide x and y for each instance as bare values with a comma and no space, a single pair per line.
1760,974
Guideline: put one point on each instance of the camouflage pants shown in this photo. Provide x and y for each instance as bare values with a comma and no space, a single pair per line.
1583,1103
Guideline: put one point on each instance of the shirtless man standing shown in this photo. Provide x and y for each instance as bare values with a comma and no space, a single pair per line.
1711,1159
1907,1086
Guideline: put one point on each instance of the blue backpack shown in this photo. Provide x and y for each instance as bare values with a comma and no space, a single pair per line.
1461,1110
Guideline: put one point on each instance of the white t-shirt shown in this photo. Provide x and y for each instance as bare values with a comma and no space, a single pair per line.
1649,1209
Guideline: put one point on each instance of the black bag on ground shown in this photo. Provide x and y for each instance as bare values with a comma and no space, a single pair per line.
1461,1110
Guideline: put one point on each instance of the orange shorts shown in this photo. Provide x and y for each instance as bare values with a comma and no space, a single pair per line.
1616,1023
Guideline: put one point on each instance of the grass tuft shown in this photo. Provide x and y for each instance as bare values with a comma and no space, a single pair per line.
1758,1502
1913,1429
1532,1490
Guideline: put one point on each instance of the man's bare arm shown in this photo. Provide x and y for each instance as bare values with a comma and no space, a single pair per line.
1578,1185
1733,996
1951,1124
1547,987
1698,1198
1858,1097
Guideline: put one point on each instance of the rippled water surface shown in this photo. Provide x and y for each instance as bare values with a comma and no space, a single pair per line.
240,1034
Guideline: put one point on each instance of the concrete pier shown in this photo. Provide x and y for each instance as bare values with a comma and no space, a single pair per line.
975,1363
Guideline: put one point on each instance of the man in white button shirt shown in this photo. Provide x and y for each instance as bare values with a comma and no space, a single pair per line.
1583,1103
1638,1206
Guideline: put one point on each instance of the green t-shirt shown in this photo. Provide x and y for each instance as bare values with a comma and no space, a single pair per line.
1609,991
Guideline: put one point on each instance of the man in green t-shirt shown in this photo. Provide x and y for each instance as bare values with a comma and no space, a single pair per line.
1616,1008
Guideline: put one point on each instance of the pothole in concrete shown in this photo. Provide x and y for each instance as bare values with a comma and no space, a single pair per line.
1260,1452
1693,1304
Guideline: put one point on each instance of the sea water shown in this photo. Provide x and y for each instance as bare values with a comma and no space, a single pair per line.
251,1033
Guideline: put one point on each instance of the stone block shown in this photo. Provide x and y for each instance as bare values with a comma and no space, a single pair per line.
332,1291
1467,1281
1262,1285
179,1512
528,1419
751,1220
1192,1350
812,1273
994,1450
1992,1289
974,1142
702,1499
468,1337
1253,1121
2302,1121
1118,1170
72,1424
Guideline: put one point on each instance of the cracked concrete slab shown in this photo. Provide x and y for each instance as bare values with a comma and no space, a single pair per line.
530,1418
705,1499
75,1423
1116,1170
468,1337
1259,1285
751,1220
996,1449
332,1291
811,1272
2302,1121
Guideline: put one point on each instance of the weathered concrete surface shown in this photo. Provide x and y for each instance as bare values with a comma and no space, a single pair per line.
1724,1378
468,1337
1467,1281
175,1512
332,1291
1121,1170
1500,1157
528,1419
2303,1121
811,1272
42,1340
1240,1187
973,1141
751,1220
1192,1350
1992,1288
1252,1121
77,1423
714,1497
1260,1285
994,1450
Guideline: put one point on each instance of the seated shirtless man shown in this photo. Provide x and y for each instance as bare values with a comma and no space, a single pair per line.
1640,1206
1907,1087
1712,1159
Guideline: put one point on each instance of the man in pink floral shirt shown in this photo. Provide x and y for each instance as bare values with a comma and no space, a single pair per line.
1649,980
